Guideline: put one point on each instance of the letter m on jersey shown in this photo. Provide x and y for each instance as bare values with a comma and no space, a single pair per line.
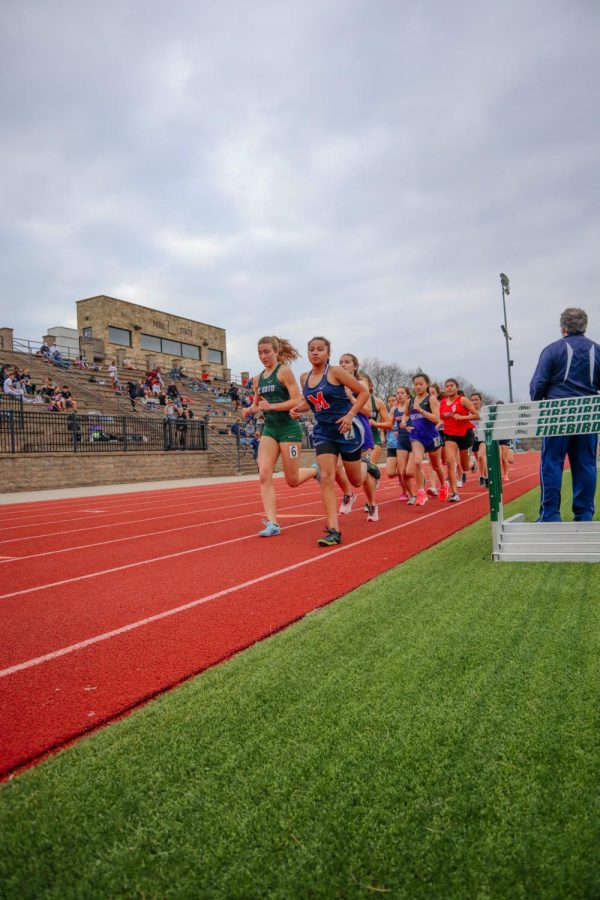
318,401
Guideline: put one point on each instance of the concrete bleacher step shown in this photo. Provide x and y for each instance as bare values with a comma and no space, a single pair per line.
549,541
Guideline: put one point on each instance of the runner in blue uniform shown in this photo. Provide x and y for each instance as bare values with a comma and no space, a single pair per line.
349,362
337,433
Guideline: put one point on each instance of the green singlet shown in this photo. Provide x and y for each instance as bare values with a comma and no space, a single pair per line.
279,425
375,417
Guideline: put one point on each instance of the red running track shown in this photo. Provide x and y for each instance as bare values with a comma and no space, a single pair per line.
107,601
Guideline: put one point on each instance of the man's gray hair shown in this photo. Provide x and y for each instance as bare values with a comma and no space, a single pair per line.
574,320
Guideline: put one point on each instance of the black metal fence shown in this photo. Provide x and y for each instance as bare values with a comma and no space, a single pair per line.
45,432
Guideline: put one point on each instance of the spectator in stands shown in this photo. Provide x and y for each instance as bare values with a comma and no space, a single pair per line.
174,373
234,396
12,385
26,382
44,350
56,402
80,363
47,389
172,391
183,416
113,374
206,378
68,399
57,358
132,390
170,410
127,364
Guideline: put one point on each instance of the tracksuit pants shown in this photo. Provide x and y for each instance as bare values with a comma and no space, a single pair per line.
581,450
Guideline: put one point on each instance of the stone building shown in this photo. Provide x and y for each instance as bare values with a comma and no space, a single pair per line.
116,329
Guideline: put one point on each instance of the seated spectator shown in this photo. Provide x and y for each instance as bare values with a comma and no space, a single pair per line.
172,391
170,410
206,378
58,359
174,373
68,399
149,401
56,402
127,364
26,382
79,363
12,385
47,389
44,350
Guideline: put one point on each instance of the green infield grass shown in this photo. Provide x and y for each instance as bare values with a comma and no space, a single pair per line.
434,734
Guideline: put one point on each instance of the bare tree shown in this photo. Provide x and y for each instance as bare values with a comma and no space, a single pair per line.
388,376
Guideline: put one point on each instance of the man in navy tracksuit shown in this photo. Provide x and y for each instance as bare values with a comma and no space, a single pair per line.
569,367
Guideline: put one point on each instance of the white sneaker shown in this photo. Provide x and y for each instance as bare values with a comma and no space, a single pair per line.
348,501
373,514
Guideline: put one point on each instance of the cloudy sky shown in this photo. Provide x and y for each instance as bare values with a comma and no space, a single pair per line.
362,169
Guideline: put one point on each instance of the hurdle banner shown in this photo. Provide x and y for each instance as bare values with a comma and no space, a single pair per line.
514,539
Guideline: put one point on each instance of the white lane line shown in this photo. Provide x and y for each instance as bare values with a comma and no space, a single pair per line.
80,645
188,552
125,505
146,534
95,527
34,509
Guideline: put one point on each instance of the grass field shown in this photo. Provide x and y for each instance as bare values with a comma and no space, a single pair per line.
434,734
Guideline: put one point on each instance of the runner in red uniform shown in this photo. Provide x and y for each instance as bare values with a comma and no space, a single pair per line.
457,413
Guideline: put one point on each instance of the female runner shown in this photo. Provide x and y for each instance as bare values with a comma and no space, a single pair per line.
421,415
337,432
506,455
349,362
391,438
378,419
404,449
275,393
457,414
479,446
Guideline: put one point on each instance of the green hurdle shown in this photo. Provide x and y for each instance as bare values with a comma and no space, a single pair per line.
513,539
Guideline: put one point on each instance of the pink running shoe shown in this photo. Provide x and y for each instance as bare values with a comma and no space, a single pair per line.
403,498
443,494
421,498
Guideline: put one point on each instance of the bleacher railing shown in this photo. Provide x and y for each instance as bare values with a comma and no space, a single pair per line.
74,433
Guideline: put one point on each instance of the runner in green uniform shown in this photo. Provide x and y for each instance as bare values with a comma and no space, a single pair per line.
275,393
378,419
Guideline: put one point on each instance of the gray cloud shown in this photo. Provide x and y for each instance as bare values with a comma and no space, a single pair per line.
363,170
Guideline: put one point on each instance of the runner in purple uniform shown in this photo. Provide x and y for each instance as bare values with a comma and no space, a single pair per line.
421,416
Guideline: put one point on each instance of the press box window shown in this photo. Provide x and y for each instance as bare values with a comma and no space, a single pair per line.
190,351
215,356
119,336
149,342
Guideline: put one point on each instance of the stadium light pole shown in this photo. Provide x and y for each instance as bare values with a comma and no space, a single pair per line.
505,283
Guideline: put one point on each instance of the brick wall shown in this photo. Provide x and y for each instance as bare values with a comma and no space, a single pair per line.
60,470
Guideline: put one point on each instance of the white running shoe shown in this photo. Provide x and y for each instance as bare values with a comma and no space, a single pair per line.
348,501
373,514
